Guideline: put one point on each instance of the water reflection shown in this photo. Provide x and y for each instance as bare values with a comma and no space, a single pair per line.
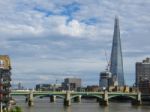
43,105
105,108
67,109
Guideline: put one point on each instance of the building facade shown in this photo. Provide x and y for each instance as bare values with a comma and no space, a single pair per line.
104,79
142,72
48,87
71,84
92,88
144,86
116,62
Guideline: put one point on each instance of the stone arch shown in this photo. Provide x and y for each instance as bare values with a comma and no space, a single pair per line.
128,96
48,95
90,95
60,96
96,96
74,96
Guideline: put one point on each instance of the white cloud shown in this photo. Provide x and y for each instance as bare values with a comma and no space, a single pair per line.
73,28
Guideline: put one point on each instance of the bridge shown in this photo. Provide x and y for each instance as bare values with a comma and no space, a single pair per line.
67,96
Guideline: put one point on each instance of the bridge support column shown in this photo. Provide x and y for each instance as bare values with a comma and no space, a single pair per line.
105,99
67,100
52,98
30,99
138,100
77,99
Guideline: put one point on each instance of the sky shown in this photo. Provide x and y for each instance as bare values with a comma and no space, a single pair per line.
49,40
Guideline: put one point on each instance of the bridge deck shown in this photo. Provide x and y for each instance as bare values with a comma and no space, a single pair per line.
63,93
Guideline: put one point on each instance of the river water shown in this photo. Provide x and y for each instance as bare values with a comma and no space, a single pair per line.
44,105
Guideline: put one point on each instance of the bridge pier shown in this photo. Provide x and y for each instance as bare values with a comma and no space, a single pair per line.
52,98
67,100
30,99
138,100
104,101
77,99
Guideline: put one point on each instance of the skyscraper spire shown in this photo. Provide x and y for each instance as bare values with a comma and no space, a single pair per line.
116,66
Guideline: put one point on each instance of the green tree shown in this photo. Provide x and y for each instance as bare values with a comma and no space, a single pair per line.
17,109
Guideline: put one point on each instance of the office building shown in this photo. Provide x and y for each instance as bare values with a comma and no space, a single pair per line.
71,84
142,72
104,79
116,62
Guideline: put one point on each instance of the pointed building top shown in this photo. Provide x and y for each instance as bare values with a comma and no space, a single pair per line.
117,21
116,17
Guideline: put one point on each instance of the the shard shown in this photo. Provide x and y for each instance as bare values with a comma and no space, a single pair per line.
116,62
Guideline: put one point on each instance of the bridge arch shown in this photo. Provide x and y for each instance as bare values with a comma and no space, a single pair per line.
89,95
96,96
74,96
59,96
127,96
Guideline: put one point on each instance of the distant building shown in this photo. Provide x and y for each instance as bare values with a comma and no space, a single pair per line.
116,61
144,86
71,84
20,87
92,88
142,71
104,79
43,87
48,87
143,75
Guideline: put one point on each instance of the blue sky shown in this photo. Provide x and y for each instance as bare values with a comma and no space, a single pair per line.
54,39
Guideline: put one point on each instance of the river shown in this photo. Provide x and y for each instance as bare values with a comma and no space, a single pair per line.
44,105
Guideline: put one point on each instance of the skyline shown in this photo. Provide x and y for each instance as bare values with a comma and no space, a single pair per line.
57,39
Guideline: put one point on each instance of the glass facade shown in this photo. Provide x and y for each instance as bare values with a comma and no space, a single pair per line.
116,65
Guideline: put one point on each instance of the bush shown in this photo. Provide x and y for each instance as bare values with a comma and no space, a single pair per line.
17,109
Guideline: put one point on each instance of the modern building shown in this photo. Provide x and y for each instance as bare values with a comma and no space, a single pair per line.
48,87
143,74
43,87
92,88
71,84
104,79
20,87
114,76
116,61
144,86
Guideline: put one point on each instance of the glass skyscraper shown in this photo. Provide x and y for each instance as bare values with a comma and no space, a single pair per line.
116,62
